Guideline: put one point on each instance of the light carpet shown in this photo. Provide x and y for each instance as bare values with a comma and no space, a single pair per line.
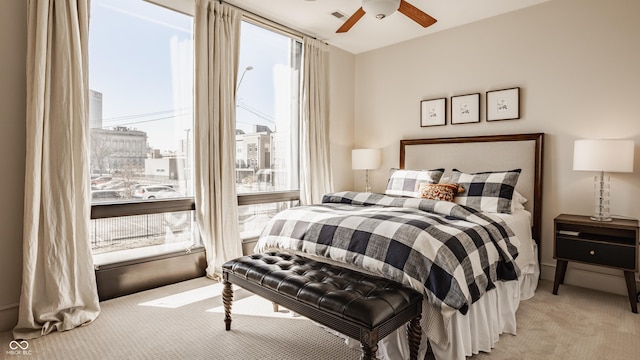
185,321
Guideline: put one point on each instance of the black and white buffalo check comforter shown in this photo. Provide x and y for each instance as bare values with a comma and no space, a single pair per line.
452,253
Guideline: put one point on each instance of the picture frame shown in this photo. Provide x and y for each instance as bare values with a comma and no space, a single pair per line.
465,109
433,112
503,104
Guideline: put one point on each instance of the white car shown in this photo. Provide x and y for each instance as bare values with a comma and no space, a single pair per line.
155,192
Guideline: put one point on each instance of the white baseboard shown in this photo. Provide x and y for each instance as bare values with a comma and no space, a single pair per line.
591,277
8,316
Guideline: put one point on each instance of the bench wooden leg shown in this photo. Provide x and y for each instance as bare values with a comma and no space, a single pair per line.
369,343
227,298
414,333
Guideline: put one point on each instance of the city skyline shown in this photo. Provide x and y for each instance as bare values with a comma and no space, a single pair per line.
146,78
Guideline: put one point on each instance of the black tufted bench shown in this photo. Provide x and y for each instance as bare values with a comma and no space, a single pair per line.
363,307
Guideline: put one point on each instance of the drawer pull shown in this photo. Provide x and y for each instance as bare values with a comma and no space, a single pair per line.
592,252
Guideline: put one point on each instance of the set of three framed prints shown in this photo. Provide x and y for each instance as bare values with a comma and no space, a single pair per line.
501,104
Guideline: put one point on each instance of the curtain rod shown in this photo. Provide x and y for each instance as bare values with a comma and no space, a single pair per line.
264,21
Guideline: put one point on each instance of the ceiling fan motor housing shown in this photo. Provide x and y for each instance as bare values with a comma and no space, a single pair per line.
380,8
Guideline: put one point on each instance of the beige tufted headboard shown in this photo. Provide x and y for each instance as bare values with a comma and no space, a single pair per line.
485,153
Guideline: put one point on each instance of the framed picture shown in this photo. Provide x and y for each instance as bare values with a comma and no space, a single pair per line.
465,109
433,112
503,104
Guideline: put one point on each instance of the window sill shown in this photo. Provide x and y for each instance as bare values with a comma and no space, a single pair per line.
144,254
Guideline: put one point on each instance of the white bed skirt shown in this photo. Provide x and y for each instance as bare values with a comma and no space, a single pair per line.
459,336
463,335
480,329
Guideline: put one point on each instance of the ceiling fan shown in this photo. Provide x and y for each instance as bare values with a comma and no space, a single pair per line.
383,8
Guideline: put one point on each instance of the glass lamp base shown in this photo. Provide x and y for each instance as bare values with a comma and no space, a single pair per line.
367,186
601,189
601,218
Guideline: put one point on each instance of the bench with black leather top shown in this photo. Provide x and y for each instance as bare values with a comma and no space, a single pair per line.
364,307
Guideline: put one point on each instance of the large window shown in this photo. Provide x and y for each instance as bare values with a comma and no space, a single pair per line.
141,137
267,125
141,116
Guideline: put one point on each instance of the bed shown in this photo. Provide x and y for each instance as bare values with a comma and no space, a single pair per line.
474,259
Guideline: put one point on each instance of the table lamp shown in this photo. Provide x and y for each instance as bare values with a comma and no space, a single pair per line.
365,159
603,155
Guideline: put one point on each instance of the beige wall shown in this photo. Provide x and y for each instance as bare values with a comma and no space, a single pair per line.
13,47
342,80
578,65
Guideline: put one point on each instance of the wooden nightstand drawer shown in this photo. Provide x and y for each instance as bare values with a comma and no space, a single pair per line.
609,243
618,256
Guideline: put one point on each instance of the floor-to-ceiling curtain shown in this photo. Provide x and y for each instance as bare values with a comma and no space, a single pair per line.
217,41
58,282
315,177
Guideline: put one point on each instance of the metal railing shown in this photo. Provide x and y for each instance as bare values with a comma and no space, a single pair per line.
121,226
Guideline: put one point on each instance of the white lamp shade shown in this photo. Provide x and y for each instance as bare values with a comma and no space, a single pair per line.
365,159
603,155
380,8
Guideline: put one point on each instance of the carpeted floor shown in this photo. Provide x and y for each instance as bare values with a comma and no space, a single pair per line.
185,321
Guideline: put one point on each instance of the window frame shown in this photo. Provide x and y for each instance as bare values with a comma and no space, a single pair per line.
268,197
148,207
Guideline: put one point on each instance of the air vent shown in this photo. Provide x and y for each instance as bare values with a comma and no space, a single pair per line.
338,14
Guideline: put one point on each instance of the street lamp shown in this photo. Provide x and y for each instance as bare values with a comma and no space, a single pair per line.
248,68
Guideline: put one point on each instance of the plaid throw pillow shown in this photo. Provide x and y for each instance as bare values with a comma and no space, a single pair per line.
407,182
490,191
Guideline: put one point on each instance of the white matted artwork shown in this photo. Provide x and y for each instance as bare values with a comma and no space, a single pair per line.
503,104
433,112
465,109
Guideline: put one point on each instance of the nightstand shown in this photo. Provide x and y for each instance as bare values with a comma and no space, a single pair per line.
612,244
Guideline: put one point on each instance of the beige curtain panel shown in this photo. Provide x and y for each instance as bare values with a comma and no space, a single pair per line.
217,41
315,171
58,287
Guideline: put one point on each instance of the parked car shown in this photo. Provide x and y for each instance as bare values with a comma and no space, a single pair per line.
155,192
168,193
106,195
101,179
111,185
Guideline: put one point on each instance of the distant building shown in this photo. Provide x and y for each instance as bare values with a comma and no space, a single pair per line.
95,109
253,152
154,154
164,168
118,149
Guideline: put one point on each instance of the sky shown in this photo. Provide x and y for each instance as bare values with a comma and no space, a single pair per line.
131,64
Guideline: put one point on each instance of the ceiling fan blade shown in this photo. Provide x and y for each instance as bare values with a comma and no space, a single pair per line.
416,14
351,21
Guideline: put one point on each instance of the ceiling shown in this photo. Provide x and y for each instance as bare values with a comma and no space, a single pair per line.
313,17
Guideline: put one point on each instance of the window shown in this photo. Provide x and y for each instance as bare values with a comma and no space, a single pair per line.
141,116
267,125
141,139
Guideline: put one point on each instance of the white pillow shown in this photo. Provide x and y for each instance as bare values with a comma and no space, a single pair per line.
518,201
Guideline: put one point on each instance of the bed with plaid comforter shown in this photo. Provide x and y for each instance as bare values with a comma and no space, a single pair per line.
452,253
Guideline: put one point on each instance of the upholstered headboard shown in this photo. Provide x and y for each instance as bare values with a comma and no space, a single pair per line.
485,153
